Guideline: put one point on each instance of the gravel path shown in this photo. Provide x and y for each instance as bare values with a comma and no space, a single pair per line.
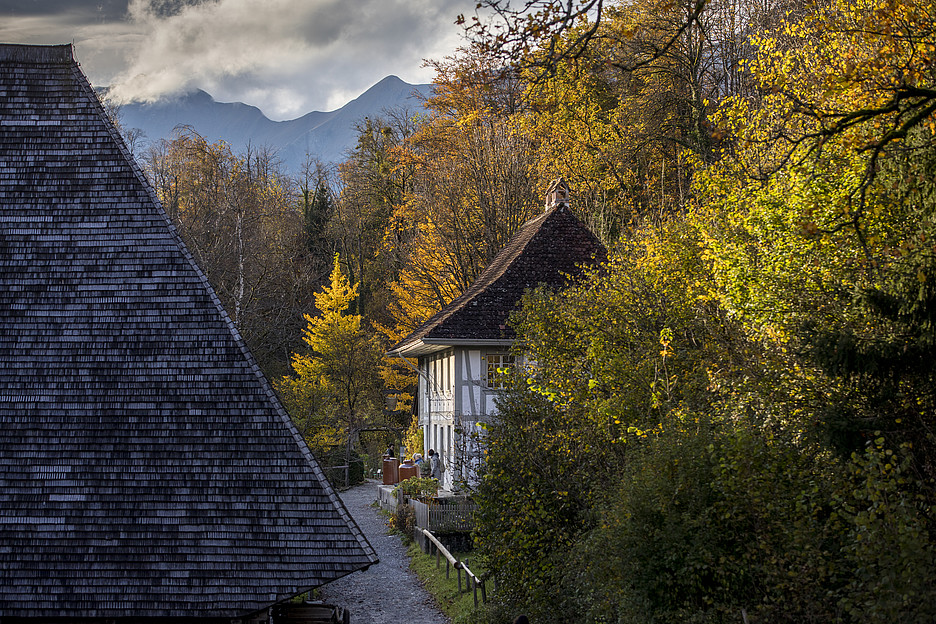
387,591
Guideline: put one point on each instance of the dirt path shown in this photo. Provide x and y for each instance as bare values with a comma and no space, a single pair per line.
388,591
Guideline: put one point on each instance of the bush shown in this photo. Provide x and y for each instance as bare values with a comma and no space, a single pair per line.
656,554
418,488
712,521
889,551
533,502
403,520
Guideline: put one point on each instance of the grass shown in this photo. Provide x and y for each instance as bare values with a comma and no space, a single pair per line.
445,590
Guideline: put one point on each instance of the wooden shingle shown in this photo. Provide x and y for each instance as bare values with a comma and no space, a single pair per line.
147,469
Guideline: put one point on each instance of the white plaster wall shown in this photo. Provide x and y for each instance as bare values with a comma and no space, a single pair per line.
471,399
422,396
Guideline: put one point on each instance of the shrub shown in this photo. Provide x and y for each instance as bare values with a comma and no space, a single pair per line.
889,551
418,488
709,520
712,521
403,520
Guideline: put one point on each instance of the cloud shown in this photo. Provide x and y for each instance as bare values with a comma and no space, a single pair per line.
287,56
98,29
80,10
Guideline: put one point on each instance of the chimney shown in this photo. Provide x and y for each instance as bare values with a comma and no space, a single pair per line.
557,194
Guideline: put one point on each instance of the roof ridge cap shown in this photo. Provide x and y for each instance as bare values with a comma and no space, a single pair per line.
23,53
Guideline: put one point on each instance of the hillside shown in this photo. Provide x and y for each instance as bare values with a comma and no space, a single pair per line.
325,135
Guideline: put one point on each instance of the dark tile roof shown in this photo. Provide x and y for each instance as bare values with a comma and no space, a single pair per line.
545,250
146,467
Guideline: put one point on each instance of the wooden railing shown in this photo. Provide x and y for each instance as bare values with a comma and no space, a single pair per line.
472,580
441,403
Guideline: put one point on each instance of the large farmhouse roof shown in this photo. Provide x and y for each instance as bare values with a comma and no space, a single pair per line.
146,467
547,249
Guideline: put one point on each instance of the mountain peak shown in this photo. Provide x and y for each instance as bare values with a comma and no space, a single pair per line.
391,79
322,135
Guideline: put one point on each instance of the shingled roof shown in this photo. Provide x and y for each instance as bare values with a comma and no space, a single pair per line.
147,470
548,249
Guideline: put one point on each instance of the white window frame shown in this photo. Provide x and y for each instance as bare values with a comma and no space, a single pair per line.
492,361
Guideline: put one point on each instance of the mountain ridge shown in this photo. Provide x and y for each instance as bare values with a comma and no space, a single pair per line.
323,135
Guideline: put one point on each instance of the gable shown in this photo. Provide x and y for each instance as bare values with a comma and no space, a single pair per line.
146,467
548,249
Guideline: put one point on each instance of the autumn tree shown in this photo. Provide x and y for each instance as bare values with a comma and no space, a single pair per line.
826,181
471,187
620,93
751,399
817,221
335,389
617,359
240,219
624,112
372,184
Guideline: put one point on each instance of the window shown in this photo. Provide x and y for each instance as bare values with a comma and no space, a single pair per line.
497,365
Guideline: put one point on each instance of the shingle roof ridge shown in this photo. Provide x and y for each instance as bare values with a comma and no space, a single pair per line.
44,54
239,340
491,273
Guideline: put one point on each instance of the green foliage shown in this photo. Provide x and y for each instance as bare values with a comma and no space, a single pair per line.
732,367
419,488
890,549
718,477
318,206
710,519
640,338
831,264
615,356
533,500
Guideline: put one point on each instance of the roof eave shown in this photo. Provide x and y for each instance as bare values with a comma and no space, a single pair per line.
428,346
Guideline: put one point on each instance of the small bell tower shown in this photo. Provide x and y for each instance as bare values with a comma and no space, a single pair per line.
557,194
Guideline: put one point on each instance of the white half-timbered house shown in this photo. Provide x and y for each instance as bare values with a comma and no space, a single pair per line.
462,348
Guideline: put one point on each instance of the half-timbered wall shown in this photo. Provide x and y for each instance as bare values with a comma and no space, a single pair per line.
457,393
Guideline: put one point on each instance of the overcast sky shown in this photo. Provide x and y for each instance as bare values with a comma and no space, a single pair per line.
287,57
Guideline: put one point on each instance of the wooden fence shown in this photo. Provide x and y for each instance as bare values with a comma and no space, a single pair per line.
442,517
387,499
472,580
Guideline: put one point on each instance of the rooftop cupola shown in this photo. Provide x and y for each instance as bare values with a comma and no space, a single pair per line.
557,194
